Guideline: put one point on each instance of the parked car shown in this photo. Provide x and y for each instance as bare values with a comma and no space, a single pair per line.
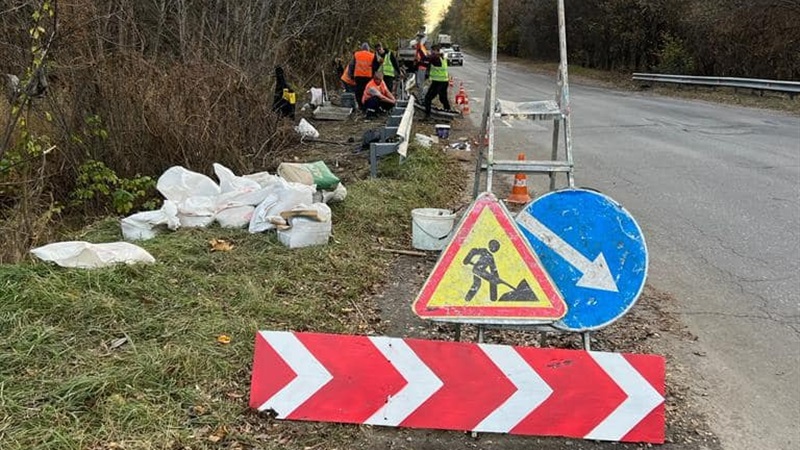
454,58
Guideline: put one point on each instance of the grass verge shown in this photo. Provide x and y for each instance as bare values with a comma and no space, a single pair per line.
622,80
129,357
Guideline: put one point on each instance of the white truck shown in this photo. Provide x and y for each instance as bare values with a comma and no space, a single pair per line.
444,40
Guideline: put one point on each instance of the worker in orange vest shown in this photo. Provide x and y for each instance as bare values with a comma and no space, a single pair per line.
377,96
421,63
361,69
348,83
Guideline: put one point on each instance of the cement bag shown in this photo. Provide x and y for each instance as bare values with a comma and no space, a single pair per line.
83,255
236,217
178,184
306,130
283,197
143,225
229,182
265,179
197,212
309,173
316,96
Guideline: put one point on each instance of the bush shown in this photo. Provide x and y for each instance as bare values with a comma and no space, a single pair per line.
674,57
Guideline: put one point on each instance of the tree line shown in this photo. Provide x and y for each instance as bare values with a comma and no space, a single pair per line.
740,38
103,95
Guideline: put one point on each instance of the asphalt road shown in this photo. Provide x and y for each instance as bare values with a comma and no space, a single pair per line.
716,190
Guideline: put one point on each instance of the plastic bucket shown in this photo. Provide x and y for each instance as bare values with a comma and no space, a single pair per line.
443,131
431,228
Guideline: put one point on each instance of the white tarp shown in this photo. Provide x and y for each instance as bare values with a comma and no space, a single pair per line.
83,255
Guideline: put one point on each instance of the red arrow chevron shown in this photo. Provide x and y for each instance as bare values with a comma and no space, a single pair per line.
460,386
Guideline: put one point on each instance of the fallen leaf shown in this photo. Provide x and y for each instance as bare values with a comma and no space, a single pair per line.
116,343
220,245
224,339
218,435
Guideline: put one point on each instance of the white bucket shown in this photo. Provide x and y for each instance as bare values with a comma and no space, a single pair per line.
431,228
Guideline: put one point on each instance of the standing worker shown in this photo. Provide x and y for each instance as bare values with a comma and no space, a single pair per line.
348,83
421,63
388,65
360,70
440,80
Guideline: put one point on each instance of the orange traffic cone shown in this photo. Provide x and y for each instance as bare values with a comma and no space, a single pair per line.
465,106
462,94
519,193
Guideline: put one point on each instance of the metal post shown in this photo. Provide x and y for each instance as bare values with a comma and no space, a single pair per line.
556,124
492,94
565,105
587,341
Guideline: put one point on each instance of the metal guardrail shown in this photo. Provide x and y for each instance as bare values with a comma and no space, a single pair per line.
789,87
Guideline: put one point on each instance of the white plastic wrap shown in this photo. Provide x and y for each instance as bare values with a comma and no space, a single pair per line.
236,217
229,182
178,184
83,255
306,130
143,225
283,197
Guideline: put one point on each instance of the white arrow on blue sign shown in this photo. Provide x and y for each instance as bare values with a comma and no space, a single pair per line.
593,250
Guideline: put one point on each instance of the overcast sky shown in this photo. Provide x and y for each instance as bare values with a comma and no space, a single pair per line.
435,11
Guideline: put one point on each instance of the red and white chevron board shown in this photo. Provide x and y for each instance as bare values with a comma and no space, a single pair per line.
459,386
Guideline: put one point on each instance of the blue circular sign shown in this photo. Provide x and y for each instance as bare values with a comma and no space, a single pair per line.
593,250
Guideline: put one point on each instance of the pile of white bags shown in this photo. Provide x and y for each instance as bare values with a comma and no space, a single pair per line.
254,201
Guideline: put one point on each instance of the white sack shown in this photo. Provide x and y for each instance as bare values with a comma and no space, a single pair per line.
84,255
265,179
316,96
283,197
336,195
236,217
229,182
178,184
305,233
306,129
197,212
142,225
240,198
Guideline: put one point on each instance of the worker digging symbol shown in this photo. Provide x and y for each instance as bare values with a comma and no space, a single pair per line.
484,268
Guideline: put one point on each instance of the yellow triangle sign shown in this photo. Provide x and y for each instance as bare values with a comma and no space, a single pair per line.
489,274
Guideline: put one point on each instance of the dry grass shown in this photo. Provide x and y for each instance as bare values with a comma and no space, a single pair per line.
66,382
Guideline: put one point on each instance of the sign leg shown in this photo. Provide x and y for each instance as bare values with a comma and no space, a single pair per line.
587,341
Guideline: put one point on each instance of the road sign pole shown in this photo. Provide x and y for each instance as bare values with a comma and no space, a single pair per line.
587,341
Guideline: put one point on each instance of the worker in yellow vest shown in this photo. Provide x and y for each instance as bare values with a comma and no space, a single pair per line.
440,80
388,65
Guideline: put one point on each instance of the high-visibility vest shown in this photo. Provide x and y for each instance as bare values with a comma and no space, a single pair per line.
372,84
439,73
364,60
346,78
388,68
419,56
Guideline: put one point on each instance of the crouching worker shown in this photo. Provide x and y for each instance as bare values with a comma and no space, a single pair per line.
377,96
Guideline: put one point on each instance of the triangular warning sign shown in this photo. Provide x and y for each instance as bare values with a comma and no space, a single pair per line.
489,274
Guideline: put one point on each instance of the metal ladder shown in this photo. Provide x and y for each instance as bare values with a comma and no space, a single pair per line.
557,110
